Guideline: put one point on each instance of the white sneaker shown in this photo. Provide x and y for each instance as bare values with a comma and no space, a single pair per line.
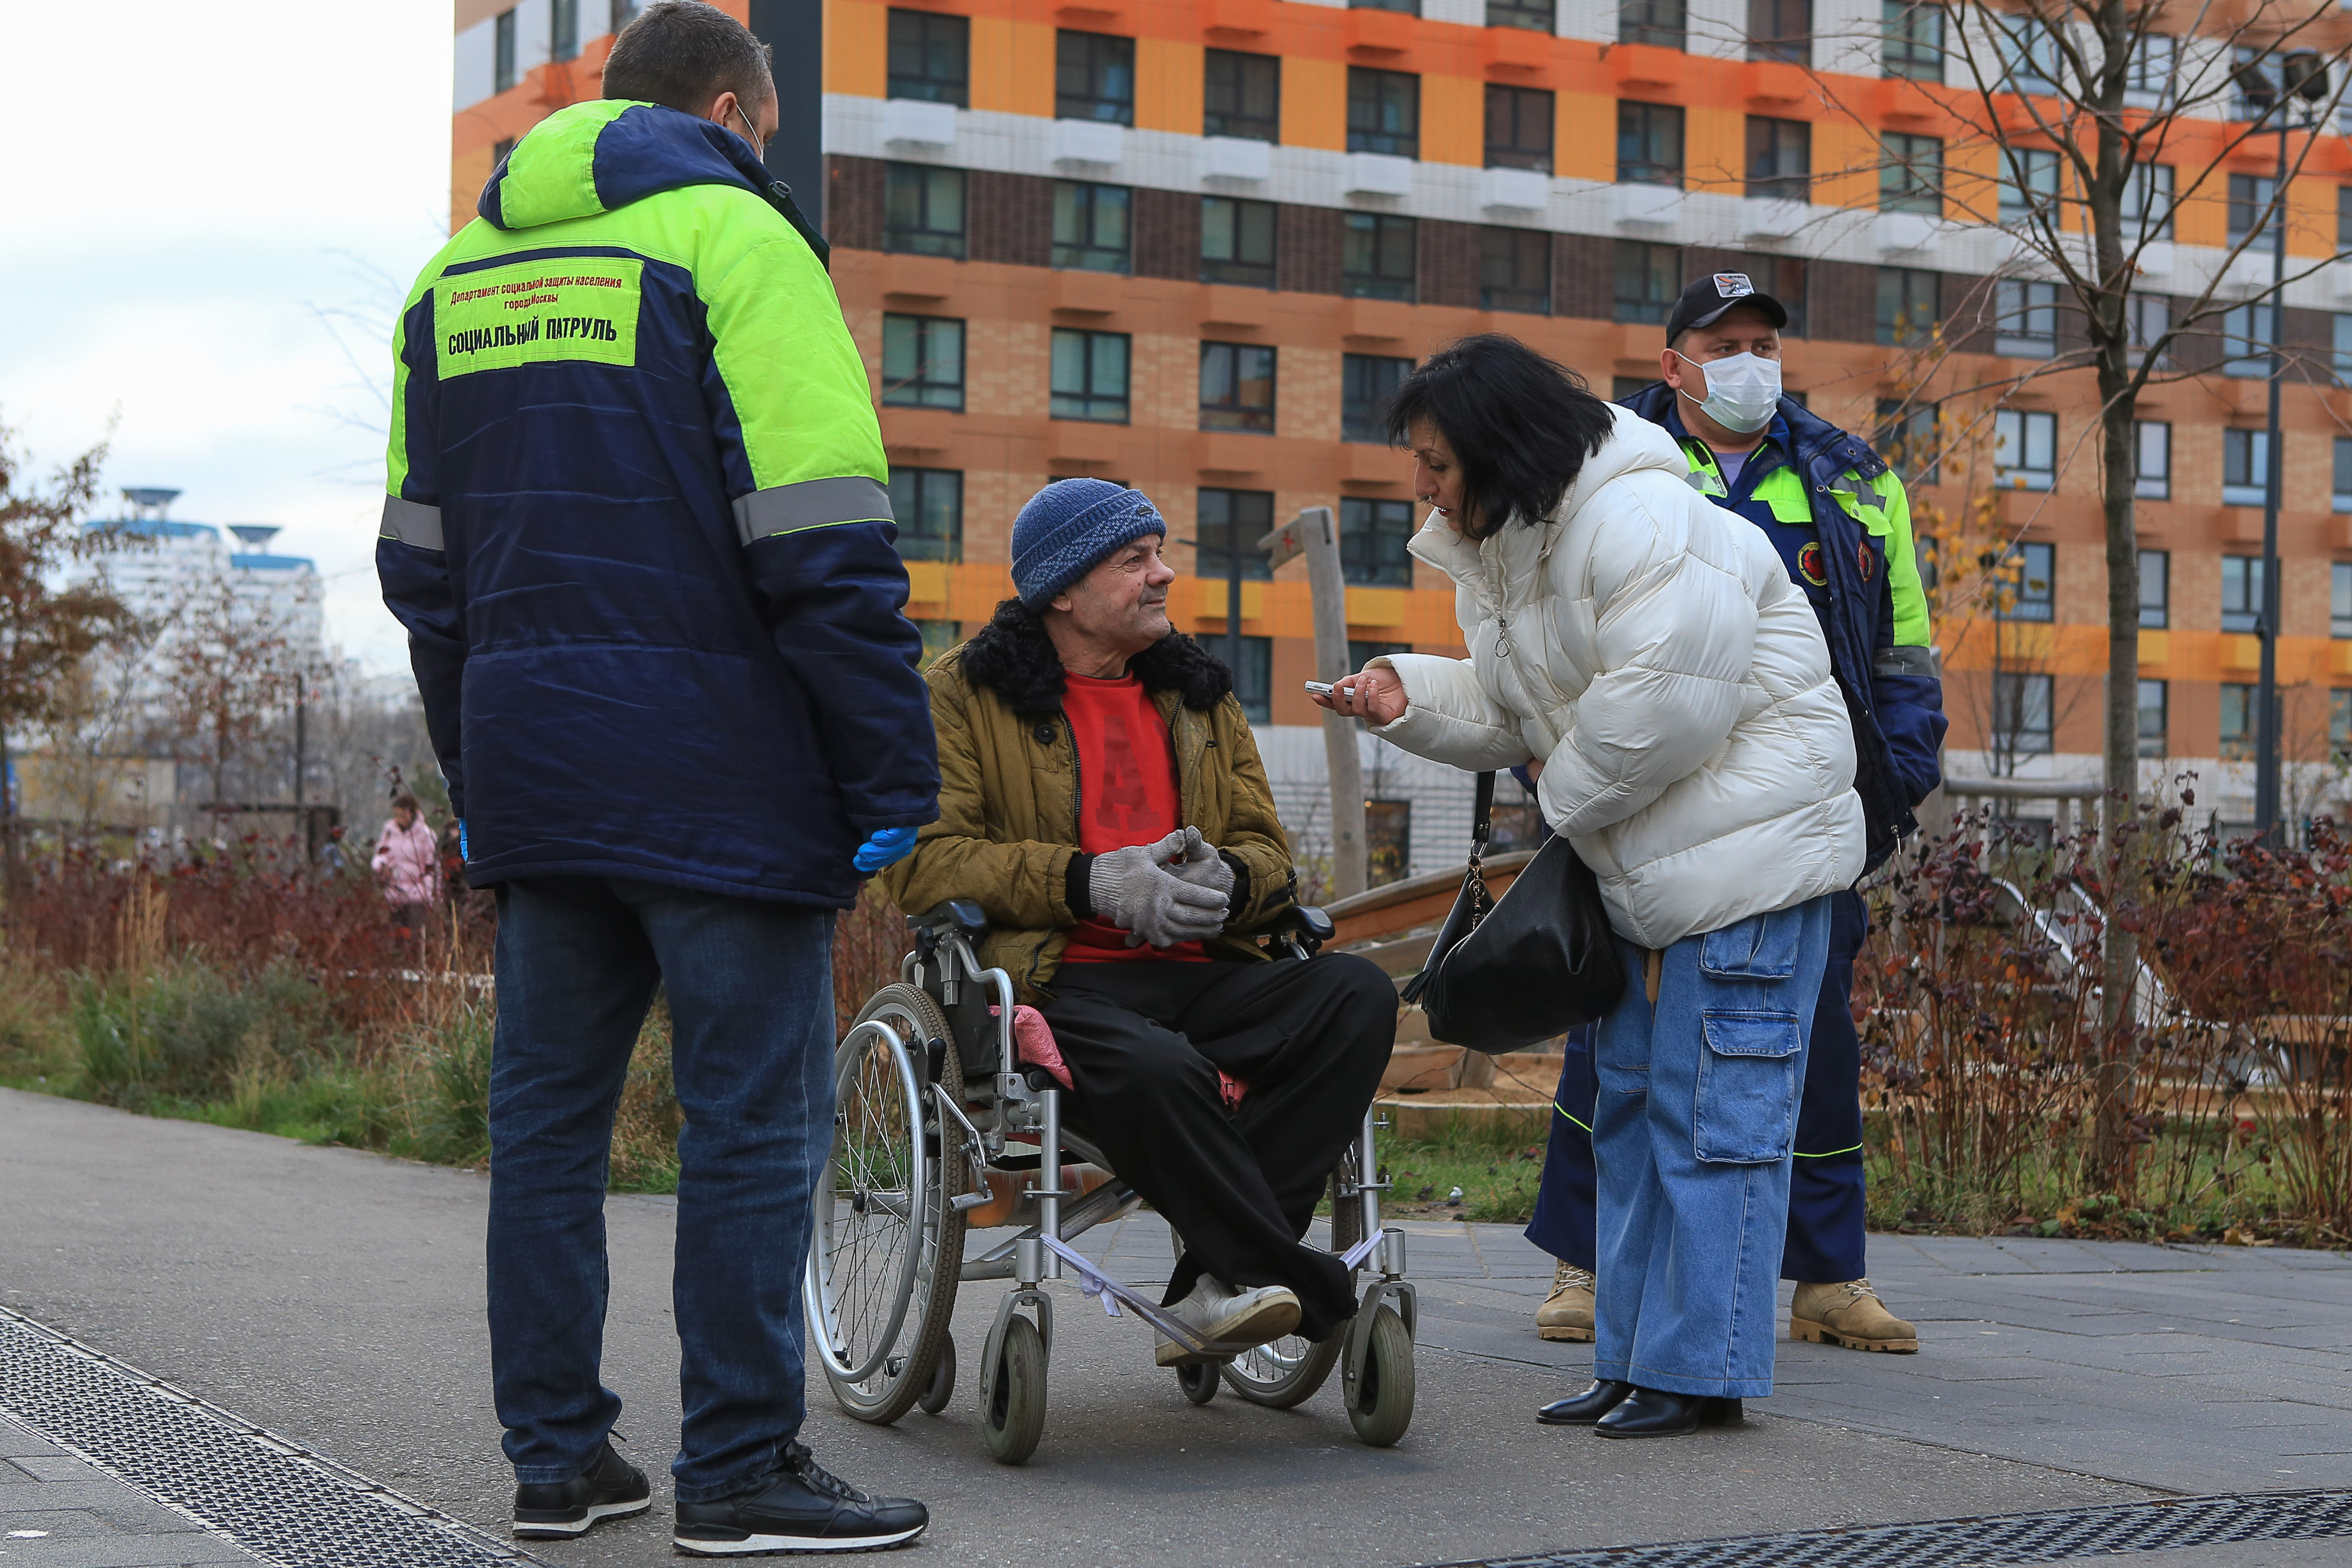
1218,1311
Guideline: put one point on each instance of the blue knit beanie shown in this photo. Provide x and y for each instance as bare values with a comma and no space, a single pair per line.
1069,528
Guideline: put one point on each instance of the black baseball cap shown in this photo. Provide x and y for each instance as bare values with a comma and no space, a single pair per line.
1710,296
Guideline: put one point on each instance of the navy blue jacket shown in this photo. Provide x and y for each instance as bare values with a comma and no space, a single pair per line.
637,527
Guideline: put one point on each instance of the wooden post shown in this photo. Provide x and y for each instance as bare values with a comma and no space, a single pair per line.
1314,534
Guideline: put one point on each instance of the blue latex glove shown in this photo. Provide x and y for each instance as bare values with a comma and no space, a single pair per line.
463,853
886,847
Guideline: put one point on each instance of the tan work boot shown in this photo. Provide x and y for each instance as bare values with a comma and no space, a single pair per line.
1849,1314
1567,1312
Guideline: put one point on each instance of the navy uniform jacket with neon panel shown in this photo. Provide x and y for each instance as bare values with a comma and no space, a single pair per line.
638,531
1812,485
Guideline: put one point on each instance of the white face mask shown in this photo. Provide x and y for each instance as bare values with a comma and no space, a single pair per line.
1742,390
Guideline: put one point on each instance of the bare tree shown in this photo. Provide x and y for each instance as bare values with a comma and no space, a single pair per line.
2106,118
230,672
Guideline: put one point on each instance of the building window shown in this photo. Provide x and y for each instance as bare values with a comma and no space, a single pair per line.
1388,841
623,13
502,58
1519,128
1534,16
1231,524
923,210
1911,177
2025,319
1090,226
2155,589
2251,222
2151,717
1648,277
1094,76
939,636
2237,722
2339,723
1090,375
1237,388
1372,537
2152,461
930,58
2148,80
1909,306
2247,332
2025,448
1360,654
1238,241
1376,257
2021,709
1907,437
1408,7
1649,143
2245,467
1666,23
1784,278
2028,50
2342,331
1383,112
2034,590
922,362
2146,317
1515,269
1781,30
2340,491
929,505
1254,681
1780,159
564,30
2029,185
2344,218
1366,381
2339,599
2147,202
2241,592
500,149
1914,39
1241,95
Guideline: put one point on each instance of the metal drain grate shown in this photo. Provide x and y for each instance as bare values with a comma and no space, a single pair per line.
278,1500
2052,1537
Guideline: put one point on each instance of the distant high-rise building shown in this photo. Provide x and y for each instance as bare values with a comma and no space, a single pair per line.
172,564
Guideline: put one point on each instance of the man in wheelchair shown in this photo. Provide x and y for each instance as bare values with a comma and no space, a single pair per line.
1102,800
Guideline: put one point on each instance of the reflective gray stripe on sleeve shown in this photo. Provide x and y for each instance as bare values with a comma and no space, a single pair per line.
411,522
811,503
1916,661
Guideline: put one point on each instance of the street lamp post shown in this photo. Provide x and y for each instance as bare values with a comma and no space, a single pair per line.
2304,75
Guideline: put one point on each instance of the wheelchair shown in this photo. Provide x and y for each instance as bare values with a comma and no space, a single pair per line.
939,1129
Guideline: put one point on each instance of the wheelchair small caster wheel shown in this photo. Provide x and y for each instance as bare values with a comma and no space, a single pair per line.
1013,1414
941,1386
1199,1382
1380,1395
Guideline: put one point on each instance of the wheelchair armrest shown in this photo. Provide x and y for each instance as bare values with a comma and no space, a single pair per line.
962,916
1301,928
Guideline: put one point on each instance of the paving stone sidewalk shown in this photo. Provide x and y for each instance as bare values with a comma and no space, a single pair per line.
59,1511
336,1298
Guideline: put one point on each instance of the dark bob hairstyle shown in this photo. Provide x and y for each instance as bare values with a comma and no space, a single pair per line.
1519,424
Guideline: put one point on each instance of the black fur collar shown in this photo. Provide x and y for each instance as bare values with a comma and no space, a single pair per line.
1013,657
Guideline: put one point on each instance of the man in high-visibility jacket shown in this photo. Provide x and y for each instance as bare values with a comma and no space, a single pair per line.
1842,522
638,530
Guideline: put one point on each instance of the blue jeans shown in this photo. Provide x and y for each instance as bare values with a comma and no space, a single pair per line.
1693,1127
1826,1188
751,1001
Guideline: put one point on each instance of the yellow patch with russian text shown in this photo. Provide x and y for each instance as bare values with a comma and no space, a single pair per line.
567,308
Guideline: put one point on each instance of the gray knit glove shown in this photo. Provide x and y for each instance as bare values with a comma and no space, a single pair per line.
1133,890
1202,866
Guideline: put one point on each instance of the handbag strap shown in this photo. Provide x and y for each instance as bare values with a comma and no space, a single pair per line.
1482,815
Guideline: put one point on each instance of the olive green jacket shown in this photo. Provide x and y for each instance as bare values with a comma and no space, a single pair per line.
1008,822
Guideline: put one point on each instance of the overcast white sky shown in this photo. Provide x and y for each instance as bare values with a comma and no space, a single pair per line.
198,198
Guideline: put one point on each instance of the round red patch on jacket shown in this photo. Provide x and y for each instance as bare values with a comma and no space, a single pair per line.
1862,553
1809,565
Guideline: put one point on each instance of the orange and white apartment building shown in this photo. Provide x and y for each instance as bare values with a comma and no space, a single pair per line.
1188,244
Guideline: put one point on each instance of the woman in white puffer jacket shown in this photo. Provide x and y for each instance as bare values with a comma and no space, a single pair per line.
1645,654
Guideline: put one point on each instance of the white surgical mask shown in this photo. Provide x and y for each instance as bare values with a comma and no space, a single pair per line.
1742,390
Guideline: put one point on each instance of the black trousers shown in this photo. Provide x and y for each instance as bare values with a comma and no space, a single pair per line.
1145,1043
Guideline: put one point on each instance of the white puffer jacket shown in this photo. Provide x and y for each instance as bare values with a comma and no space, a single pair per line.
1649,647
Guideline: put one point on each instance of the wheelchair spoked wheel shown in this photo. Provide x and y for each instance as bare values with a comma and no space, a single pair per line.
887,1251
1287,1370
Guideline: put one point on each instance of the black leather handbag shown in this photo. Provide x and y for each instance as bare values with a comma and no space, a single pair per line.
1506,972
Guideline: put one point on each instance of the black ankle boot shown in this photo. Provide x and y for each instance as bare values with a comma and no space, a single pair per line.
1654,1413
1585,1408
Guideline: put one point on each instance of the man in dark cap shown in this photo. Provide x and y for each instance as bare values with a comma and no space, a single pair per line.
1842,522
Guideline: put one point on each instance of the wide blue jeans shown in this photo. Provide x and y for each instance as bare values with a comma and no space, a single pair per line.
750,985
1692,1127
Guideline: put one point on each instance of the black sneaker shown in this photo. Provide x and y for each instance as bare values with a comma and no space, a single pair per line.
800,1508
557,1511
